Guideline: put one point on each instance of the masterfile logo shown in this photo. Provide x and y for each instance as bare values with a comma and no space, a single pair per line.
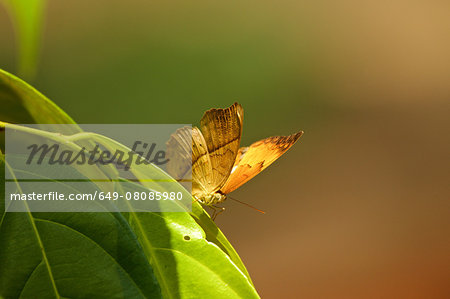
93,168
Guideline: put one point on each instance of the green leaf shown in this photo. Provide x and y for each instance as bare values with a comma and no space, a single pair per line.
52,254
184,262
27,19
23,104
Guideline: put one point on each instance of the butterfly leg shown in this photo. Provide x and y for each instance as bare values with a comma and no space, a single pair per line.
214,211
221,210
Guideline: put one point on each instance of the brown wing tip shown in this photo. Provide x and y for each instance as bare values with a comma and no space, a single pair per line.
282,143
289,140
297,135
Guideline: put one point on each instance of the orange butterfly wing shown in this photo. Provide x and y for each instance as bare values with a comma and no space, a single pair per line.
253,159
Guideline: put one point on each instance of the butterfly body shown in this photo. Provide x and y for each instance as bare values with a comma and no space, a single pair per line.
212,156
211,199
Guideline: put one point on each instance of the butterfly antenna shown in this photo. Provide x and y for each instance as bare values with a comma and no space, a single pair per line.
246,204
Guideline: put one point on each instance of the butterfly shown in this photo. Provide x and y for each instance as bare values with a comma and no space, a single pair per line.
211,155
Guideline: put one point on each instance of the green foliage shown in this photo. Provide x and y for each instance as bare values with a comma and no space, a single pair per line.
23,104
72,255
108,255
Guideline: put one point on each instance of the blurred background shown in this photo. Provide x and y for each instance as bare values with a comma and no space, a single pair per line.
359,208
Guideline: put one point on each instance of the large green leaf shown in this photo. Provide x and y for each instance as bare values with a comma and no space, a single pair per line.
184,262
52,254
